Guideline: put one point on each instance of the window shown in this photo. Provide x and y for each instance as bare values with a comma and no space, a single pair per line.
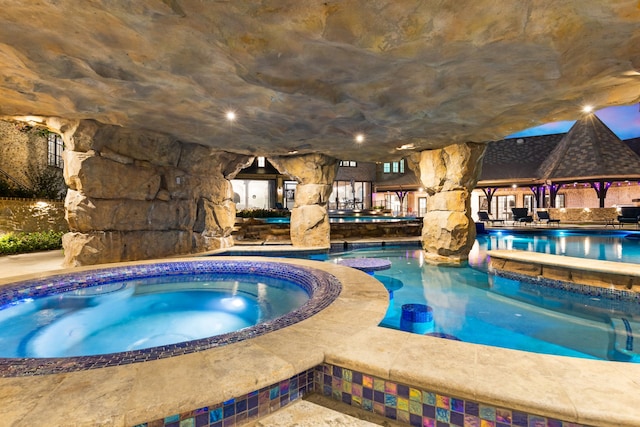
261,162
560,202
395,167
348,163
54,150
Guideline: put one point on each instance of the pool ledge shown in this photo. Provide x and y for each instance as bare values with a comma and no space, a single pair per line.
603,274
345,334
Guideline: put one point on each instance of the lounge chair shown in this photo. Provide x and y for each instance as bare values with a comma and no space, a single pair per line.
483,216
521,215
544,216
629,215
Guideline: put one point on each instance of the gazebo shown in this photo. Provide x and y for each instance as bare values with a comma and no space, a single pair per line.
590,153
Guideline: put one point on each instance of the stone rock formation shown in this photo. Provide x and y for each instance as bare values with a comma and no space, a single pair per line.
309,218
448,175
303,77
135,195
306,75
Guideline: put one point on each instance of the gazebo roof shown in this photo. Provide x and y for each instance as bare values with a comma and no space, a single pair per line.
407,181
589,151
516,160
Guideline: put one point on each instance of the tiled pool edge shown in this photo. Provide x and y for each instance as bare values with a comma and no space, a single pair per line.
322,288
395,401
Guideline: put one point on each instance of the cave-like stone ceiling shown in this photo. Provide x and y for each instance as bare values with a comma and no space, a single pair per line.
307,76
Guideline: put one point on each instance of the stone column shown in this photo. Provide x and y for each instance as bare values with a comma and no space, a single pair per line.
137,195
448,175
309,218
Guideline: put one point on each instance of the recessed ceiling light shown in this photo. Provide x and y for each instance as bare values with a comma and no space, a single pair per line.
359,138
587,108
230,115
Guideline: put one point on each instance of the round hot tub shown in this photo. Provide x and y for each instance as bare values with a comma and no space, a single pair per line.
134,313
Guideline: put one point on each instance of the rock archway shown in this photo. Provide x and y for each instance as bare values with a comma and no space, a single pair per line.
137,195
448,175
309,218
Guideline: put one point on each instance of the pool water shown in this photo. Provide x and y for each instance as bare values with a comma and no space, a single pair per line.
343,219
142,313
469,305
619,246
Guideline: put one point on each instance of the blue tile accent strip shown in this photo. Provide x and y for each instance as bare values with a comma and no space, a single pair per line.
323,288
245,408
416,407
614,298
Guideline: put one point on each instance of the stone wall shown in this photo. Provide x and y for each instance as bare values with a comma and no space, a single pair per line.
21,150
29,215
578,215
248,229
139,195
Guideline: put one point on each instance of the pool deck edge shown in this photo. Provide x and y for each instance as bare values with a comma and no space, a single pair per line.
578,390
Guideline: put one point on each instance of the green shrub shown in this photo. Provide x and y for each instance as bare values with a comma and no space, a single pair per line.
18,243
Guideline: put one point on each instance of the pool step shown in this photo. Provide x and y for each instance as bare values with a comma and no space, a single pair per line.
627,337
317,410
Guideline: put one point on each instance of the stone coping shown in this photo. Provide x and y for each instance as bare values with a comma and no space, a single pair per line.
611,275
593,265
345,334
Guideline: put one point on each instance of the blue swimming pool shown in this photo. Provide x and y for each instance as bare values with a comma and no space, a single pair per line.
622,246
467,304
341,219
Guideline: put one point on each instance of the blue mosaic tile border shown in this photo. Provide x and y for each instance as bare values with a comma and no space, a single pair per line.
619,295
242,409
323,288
418,407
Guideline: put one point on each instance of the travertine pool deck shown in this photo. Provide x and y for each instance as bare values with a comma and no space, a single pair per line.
345,334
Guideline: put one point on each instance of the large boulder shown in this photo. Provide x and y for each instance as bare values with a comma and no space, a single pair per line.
315,173
449,175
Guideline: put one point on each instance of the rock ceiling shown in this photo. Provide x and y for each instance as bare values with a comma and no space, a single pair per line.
308,75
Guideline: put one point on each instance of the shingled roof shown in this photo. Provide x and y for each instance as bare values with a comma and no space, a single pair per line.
408,181
590,150
516,160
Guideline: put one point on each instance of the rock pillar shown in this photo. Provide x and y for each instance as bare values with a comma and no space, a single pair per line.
448,175
139,195
309,218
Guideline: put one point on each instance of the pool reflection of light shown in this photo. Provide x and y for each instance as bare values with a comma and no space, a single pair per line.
563,245
587,246
233,303
619,250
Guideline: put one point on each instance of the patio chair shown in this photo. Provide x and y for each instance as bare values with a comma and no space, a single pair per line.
544,216
484,216
629,215
521,216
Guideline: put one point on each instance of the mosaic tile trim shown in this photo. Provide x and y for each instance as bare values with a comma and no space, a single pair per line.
323,288
242,409
611,295
417,407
